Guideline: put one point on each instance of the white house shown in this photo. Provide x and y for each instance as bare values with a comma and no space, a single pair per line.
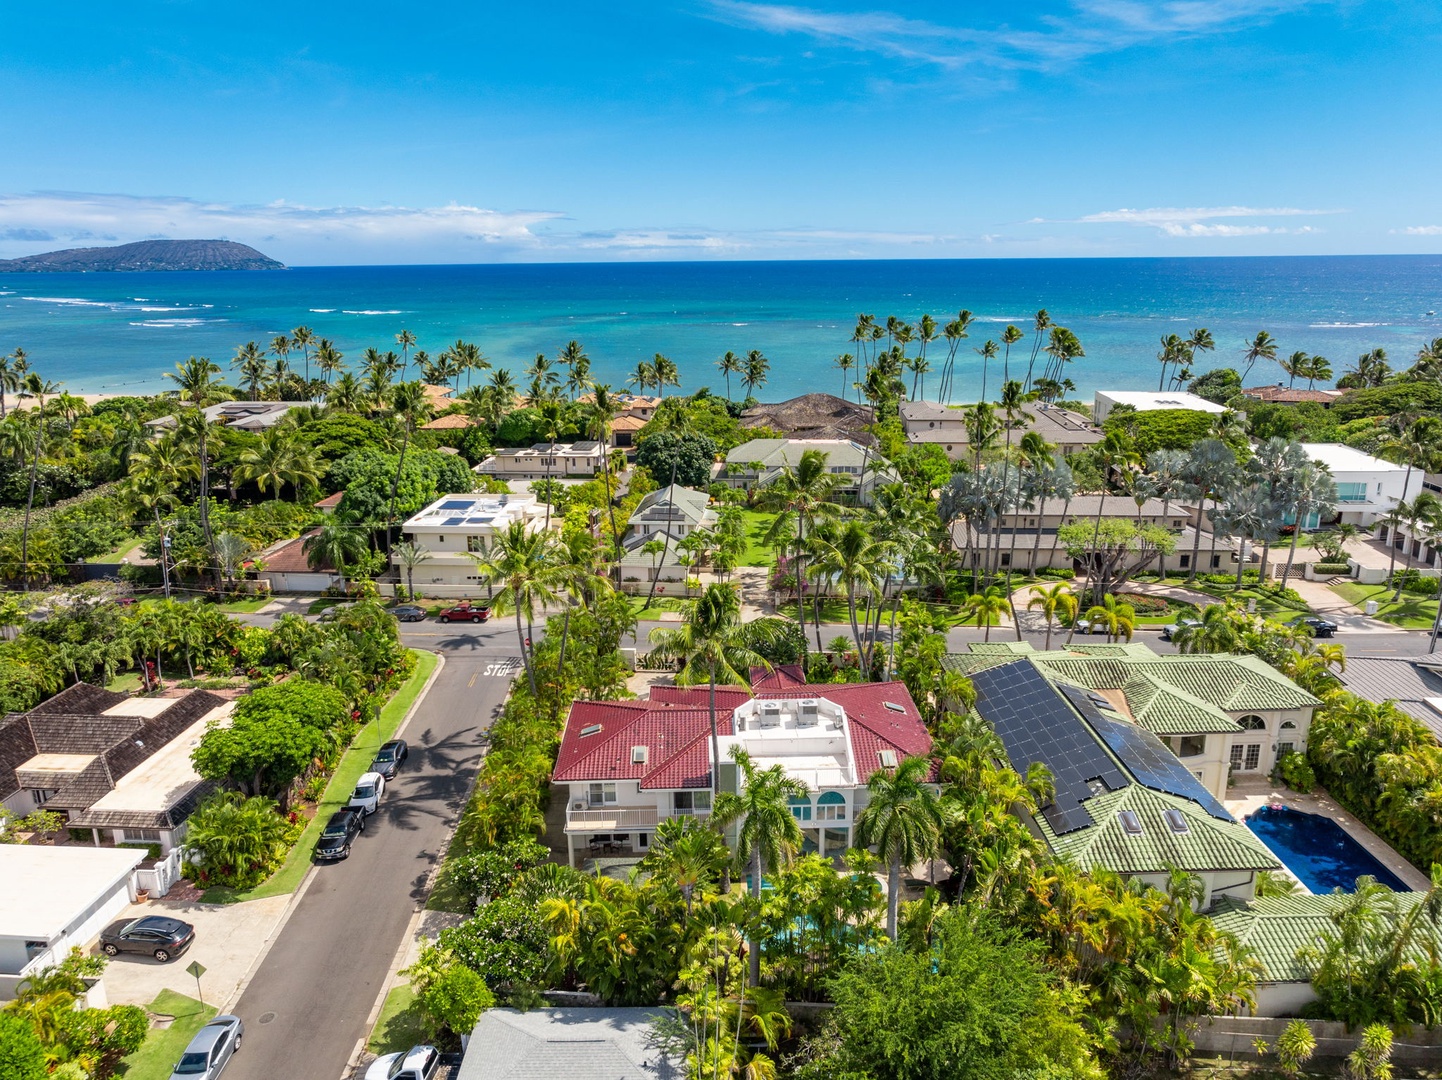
456,527
930,422
1367,486
57,898
625,766
668,516
758,462
543,460
1150,401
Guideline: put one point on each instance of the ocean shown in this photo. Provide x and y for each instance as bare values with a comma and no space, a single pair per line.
117,333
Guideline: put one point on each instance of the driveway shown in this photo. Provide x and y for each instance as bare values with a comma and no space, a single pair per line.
306,1007
228,938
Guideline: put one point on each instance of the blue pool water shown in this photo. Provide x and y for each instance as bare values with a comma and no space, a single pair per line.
1318,850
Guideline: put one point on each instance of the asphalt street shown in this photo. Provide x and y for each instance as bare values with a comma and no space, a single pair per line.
307,1005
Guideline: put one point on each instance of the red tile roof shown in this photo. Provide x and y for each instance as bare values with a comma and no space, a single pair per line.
1286,395
675,727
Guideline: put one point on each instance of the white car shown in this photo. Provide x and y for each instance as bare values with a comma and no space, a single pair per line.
368,791
417,1063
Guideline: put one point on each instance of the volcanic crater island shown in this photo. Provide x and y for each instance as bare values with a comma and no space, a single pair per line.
145,255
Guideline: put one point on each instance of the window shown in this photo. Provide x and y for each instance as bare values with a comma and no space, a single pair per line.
475,543
1236,756
1286,748
1186,561
1289,725
800,809
1252,723
1191,745
1254,757
602,794
1352,492
831,807
1216,561
691,802
42,795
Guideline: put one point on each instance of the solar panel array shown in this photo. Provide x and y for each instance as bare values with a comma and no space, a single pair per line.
1035,724
457,504
1145,755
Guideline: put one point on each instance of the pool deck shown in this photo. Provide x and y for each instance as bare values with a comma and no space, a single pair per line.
1249,795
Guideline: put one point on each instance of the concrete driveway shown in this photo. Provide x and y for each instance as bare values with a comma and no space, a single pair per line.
229,939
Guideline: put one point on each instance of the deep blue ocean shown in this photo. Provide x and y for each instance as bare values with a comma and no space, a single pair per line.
118,332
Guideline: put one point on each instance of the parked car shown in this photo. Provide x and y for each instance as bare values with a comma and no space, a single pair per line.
368,791
389,758
465,611
409,612
1320,627
342,828
210,1050
334,612
163,938
1183,623
417,1063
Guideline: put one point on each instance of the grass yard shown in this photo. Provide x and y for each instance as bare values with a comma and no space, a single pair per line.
163,1046
120,551
244,607
1273,606
400,1025
127,682
658,605
757,552
1411,613
337,792
834,609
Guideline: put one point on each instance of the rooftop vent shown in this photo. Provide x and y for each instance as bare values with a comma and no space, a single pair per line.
894,707
888,758
809,706
1131,824
590,729
639,755
1176,822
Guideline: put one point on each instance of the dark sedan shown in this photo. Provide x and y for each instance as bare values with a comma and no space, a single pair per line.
409,613
389,758
160,937
342,828
1320,627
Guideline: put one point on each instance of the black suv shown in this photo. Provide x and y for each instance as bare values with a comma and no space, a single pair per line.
342,828
1320,627
389,758
161,937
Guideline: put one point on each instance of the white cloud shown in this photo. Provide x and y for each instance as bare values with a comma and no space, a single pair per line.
1200,220
1092,27
1418,230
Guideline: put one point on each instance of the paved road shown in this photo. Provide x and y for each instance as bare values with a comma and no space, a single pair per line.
307,1006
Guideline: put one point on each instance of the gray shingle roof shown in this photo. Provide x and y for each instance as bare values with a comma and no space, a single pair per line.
566,1044
1409,684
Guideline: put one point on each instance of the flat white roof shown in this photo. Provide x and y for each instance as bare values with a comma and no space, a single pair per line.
60,763
1148,400
165,777
462,511
47,888
149,708
1339,458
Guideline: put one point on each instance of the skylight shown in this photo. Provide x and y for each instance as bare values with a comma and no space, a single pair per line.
590,729
894,707
1131,823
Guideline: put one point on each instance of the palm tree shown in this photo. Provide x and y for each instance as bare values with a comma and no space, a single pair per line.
955,333
1210,468
711,645
1318,367
1172,352
529,566
643,377
1041,322
39,389
1165,479
336,543
1057,603
406,340
801,494
1427,508
9,378
281,457
858,560
327,357
987,353
1117,616
301,338
412,408
1261,347
1198,341
987,607
768,836
346,394
194,378
757,368
843,363
598,417
728,365
1307,489
1218,631
902,820
1062,348
410,555
667,374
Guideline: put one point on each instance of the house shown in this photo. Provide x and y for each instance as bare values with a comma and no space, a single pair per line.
1037,546
116,765
625,766
1287,395
929,422
285,567
669,515
624,430
449,422
59,898
1275,929
253,416
453,529
1413,684
583,459
329,504
1367,487
639,406
1140,747
813,416
1150,401
568,1044
758,462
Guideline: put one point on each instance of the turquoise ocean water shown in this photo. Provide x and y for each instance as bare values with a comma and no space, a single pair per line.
118,332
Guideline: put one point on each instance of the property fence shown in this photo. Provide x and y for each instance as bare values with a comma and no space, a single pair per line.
1234,1036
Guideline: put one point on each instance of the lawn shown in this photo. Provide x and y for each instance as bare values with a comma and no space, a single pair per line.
757,553
399,1026
119,551
1411,613
127,682
1269,603
163,1046
658,605
244,607
337,792
834,609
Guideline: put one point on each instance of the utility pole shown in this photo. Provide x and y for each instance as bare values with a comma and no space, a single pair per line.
165,560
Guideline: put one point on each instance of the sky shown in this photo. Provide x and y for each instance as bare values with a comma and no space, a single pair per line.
382,133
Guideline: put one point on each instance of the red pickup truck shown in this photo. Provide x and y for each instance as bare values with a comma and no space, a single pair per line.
465,612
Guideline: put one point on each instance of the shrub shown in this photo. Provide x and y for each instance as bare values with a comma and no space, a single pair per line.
1059,573
492,873
1332,568
1143,604
1293,770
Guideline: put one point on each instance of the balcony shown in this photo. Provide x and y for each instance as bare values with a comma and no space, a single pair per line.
602,819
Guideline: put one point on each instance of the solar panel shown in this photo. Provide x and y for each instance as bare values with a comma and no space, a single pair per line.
456,504
454,521
1035,724
1146,756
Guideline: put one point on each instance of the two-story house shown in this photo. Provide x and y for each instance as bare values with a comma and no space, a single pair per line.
666,516
626,766
757,462
454,529
930,422
554,460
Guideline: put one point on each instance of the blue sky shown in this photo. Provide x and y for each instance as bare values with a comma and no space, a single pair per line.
383,133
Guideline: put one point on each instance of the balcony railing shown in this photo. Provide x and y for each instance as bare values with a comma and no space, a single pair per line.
593,819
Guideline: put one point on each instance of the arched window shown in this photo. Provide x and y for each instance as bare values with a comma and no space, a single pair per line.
831,807
1252,723
1289,725
801,809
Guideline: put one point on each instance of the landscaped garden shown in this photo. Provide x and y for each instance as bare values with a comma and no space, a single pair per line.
1413,611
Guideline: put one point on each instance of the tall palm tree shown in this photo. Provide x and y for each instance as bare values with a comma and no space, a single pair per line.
406,340
801,494
412,408
10,379
1062,348
903,820
729,364
530,567
251,364
410,555
195,380
955,333
712,647
1164,479
598,417
1057,603
327,357
281,457
843,363
768,836
39,389
1307,489
987,353
757,368
301,337
643,377
1211,467
1172,352
857,559
1261,347
667,374
346,394
1041,323
1199,341
336,543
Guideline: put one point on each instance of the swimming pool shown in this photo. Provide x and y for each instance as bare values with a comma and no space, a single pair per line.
1318,850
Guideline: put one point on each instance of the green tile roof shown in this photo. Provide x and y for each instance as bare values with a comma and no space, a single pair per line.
1169,711
1276,928
1209,844
1236,683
